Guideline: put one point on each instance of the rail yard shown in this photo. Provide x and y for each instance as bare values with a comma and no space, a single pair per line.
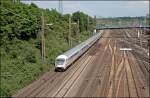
117,65
75,48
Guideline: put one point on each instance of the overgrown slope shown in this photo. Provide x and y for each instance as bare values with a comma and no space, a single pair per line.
21,43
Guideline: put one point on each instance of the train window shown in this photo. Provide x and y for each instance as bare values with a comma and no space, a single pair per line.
74,54
60,61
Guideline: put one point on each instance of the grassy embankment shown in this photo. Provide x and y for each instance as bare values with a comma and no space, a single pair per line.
21,44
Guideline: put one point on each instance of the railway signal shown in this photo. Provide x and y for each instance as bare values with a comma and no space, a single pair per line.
125,49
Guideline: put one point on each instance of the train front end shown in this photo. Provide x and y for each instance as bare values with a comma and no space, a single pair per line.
60,63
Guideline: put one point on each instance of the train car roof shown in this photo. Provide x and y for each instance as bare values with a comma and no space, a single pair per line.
73,50
62,56
77,48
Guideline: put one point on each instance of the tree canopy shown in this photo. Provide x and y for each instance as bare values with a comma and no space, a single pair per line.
20,43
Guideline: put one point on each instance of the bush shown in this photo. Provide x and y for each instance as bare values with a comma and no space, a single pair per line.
31,57
21,44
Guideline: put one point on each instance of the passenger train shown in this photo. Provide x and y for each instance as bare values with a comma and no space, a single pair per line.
64,60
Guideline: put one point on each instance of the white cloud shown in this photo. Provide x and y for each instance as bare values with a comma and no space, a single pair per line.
146,2
99,8
138,3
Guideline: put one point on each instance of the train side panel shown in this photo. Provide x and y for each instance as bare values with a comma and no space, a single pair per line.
84,49
79,50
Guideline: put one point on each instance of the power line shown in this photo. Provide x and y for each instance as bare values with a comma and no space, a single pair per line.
16,14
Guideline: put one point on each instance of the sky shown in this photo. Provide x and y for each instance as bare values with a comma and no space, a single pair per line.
98,8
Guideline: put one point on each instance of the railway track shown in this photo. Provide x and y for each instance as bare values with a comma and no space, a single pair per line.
143,60
139,77
47,91
103,71
64,88
95,77
50,80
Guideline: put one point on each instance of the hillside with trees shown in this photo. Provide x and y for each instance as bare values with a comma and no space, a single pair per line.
20,41
142,20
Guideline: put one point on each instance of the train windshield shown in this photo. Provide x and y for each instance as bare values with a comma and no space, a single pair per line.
60,61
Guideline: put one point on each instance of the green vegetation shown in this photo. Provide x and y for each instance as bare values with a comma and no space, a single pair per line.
20,42
123,21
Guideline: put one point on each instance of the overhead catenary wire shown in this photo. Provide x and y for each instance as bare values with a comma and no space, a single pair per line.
15,14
